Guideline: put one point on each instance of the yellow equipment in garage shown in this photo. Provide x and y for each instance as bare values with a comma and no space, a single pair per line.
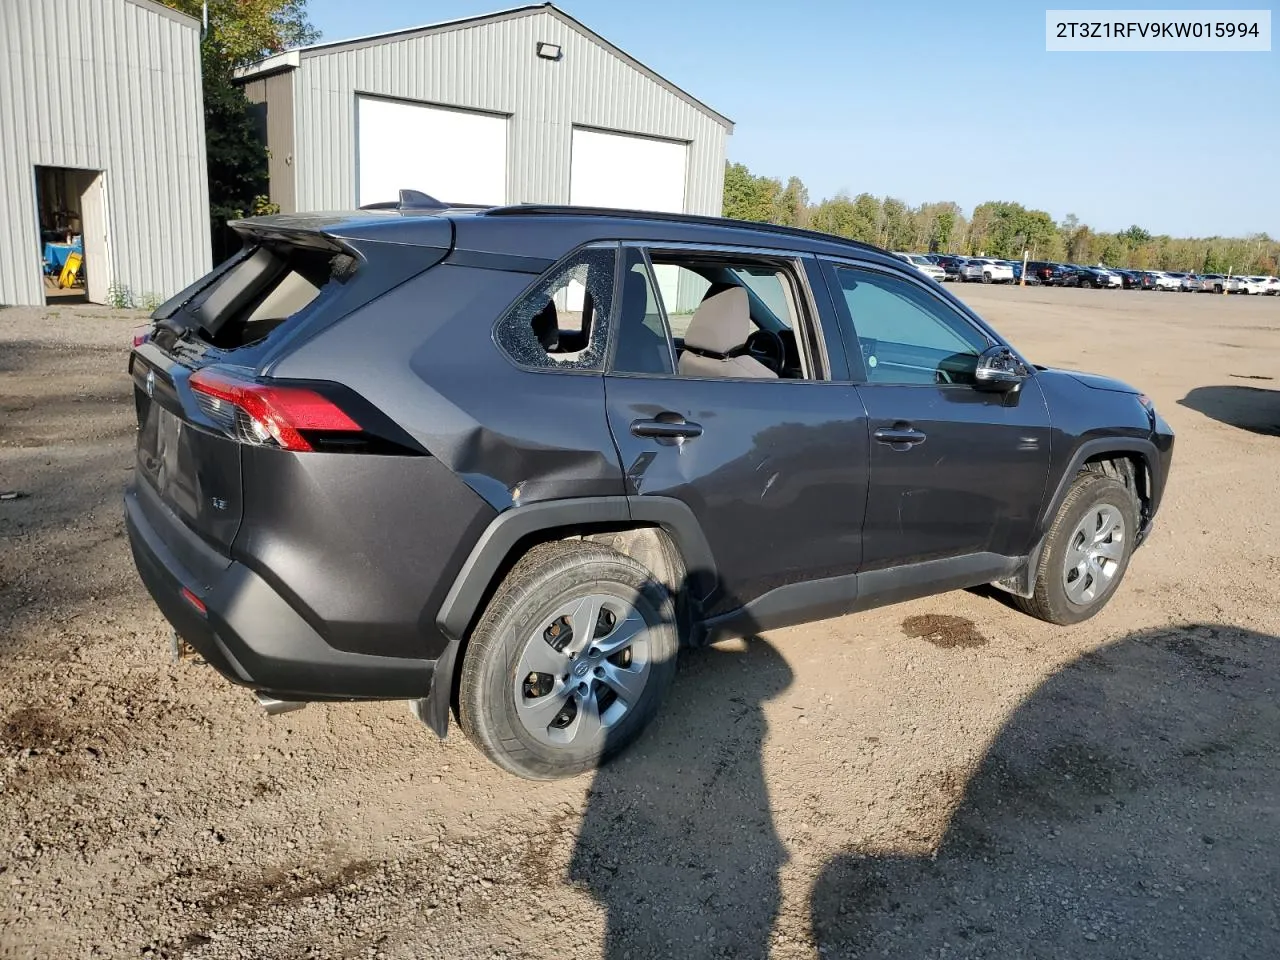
70,270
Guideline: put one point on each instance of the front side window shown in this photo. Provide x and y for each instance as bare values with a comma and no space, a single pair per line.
709,315
906,335
643,345
562,323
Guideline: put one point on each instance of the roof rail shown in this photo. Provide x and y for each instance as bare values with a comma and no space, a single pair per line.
563,210
409,200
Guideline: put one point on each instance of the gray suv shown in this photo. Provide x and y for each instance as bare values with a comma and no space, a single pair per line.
503,462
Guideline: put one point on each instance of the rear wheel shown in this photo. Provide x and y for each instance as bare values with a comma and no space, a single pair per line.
1087,551
570,661
986,277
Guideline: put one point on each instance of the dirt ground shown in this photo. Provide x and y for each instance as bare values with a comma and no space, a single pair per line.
945,778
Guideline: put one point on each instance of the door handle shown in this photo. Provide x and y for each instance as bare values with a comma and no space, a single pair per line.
899,438
676,428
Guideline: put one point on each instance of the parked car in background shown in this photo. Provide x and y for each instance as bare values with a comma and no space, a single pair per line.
1047,272
1213,283
952,266
1016,267
1190,283
347,485
924,265
1094,277
1247,285
1165,281
1112,278
984,270
1272,286
1130,279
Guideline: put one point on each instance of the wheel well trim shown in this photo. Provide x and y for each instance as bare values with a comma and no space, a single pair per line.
1091,449
1022,583
506,531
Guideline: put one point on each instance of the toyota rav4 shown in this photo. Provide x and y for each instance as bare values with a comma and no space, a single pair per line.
501,463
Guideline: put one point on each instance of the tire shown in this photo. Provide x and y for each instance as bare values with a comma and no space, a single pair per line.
1091,495
986,278
550,587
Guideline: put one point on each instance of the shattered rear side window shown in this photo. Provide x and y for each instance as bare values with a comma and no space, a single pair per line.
563,322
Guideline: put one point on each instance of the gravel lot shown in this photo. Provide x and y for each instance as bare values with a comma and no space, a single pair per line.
945,778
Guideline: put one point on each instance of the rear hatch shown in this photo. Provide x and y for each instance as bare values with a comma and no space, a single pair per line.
200,387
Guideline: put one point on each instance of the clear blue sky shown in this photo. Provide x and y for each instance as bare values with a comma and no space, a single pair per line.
948,100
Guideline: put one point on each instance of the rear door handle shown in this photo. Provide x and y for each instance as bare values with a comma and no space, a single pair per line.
900,438
666,429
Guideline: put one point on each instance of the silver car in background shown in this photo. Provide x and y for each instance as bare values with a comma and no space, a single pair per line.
923,264
986,271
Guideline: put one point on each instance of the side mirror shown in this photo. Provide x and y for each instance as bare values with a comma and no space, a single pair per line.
999,371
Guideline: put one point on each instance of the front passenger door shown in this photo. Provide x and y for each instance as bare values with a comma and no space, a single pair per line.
773,467
954,471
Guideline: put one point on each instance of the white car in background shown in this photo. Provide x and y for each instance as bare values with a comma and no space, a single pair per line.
1163,281
986,271
1272,288
1249,285
1113,279
924,265
1191,284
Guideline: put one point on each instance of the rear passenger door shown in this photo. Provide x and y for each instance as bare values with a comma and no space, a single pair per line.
769,454
955,472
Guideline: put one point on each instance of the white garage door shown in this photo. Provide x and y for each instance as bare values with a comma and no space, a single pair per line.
453,155
635,173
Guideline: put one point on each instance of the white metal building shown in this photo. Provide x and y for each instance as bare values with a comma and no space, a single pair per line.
523,106
101,137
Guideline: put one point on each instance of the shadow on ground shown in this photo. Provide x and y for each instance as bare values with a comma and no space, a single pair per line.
678,842
1128,809
1250,408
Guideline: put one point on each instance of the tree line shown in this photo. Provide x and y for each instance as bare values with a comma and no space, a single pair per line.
997,228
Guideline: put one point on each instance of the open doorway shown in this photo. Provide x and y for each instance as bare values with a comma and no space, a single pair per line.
72,208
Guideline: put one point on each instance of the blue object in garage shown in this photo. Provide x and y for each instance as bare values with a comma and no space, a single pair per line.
55,255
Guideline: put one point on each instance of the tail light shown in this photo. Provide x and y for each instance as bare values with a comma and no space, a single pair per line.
288,417
141,335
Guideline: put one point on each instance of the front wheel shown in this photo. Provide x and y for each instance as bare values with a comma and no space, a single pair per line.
1086,552
570,661
986,278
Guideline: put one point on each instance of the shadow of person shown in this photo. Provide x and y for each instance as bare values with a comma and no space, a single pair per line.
1250,408
678,842
1127,809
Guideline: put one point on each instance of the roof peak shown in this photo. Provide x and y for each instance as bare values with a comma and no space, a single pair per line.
291,58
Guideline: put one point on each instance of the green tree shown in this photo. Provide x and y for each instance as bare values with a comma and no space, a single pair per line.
1135,236
867,216
835,216
792,205
748,197
940,235
897,227
240,31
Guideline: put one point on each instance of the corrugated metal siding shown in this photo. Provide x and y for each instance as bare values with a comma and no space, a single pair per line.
276,91
114,86
493,66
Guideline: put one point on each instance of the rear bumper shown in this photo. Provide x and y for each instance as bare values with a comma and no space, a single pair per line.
247,631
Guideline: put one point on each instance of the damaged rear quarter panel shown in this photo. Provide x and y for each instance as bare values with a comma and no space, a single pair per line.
424,355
